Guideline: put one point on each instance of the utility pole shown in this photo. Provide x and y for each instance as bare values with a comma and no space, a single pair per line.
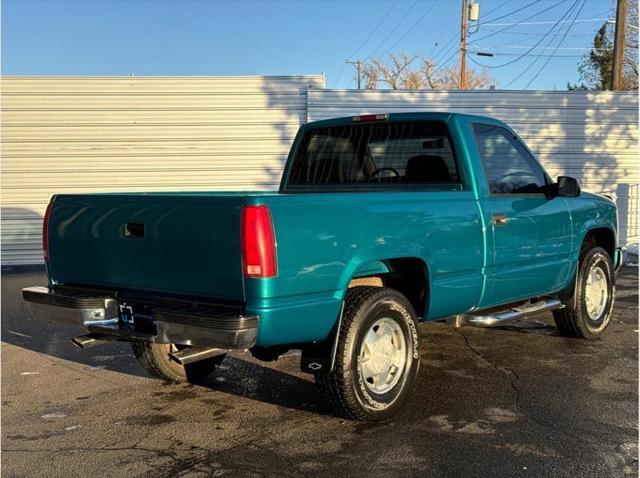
618,46
463,46
358,64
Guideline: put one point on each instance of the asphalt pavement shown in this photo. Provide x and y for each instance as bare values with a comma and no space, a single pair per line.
507,402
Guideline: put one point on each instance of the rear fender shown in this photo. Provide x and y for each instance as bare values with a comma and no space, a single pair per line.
319,357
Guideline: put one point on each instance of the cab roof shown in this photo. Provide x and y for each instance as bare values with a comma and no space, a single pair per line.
415,116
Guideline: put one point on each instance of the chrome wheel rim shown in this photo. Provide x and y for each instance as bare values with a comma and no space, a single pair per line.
383,356
596,293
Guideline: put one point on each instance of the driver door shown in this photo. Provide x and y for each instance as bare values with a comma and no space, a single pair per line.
530,235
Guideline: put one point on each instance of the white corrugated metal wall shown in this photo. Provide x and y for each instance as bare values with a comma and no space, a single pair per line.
118,134
69,134
592,136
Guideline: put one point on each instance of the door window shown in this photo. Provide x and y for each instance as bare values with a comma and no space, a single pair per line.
508,166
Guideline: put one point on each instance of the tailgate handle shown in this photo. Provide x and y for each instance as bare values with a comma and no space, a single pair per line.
134,229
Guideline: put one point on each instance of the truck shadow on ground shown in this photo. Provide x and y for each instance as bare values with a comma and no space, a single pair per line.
242,377
278,383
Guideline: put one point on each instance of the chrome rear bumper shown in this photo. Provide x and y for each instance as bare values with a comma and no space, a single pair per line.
178,322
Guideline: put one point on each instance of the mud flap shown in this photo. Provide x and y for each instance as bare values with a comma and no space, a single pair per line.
319,357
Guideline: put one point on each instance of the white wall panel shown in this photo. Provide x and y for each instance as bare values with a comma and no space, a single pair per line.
120,134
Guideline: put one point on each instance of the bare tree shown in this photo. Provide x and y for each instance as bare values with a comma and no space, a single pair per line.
448,78
370,76
408,72
394,73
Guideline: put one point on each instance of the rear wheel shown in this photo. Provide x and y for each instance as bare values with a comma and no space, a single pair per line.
588,313
377,356
154,358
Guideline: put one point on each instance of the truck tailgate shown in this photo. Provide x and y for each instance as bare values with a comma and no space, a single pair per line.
175,243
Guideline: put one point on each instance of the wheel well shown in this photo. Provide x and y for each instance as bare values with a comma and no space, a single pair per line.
407,275
601,237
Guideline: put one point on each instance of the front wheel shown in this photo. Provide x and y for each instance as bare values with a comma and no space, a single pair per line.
377,355
588,313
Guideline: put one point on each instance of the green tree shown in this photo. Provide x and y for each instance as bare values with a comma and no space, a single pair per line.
596,67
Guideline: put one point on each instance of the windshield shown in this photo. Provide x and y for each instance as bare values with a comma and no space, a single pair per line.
389,153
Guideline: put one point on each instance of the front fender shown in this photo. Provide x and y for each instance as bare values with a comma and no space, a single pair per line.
586,229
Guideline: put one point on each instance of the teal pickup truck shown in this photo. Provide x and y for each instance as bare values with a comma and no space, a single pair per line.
381,222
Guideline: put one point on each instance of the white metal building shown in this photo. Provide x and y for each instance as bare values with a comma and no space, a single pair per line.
119,134
89,134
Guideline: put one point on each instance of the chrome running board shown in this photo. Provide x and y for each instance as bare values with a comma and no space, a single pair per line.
499,318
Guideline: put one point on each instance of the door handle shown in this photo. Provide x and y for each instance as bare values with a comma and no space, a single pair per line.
500,219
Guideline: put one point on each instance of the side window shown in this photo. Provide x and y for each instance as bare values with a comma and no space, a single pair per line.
509,167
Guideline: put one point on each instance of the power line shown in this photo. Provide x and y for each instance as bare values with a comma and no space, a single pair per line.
524,20
571,8
445,62
339,75
537,34
412,27
498,7
489,47
537,58
446,48
374,31
504,30
456,34
542,55
364,42
517,10
394,29
450,45
549,22
558,46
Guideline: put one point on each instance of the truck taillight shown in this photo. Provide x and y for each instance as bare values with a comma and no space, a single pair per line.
258,242
45,231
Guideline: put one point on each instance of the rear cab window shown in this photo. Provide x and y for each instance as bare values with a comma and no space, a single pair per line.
380,155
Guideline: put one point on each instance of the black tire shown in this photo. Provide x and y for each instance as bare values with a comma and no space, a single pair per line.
154,358
574,319
345,388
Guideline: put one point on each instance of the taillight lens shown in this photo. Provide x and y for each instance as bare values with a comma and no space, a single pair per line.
45,231
258,242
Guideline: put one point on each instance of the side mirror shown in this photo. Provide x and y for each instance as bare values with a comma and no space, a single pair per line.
568,187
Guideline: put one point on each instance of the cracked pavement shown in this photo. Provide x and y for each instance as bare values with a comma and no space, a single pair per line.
515,401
